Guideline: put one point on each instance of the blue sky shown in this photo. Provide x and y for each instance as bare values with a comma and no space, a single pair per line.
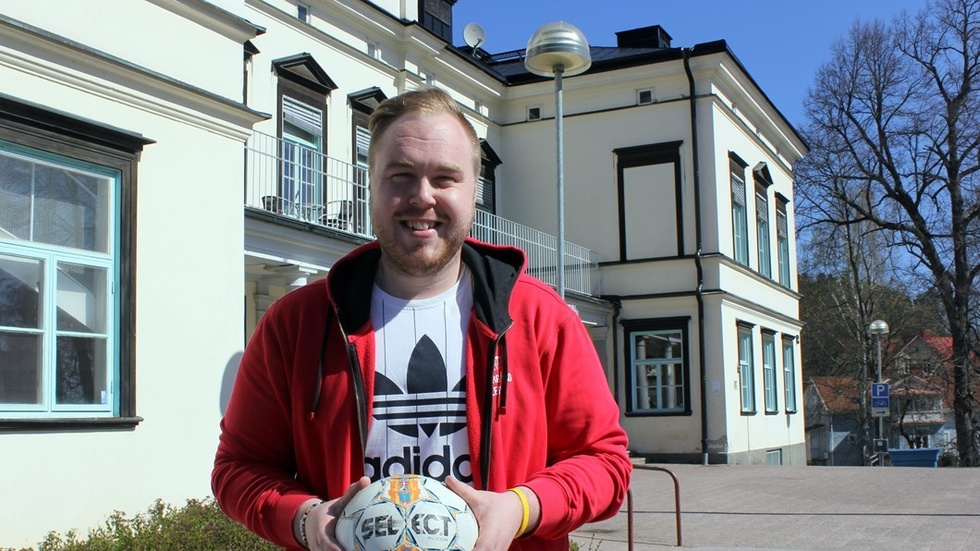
781,43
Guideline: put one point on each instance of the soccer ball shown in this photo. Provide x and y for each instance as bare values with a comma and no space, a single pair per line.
407,513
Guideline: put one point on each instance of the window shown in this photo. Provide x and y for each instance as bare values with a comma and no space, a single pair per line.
66,279
650,201
303,13
437,17
533,113
774,457
347,197
740,228
746,367
644,97
789,374
487,182
303,87
782,241
659,378
358,215
302,138
762,229
769,370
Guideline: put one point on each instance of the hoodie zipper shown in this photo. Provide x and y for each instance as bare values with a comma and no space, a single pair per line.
487,432
359,398
356,377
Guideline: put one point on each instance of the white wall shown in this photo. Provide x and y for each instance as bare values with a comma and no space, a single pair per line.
189,284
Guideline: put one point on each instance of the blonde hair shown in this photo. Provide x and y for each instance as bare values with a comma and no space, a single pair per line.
424,101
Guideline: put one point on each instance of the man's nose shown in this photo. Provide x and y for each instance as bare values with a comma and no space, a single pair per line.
423,193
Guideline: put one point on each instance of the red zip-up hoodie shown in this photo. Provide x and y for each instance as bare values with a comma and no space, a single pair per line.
538,408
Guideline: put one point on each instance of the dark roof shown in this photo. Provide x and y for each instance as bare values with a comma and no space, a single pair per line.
508,67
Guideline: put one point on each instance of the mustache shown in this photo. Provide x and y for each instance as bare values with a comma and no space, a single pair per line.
419,213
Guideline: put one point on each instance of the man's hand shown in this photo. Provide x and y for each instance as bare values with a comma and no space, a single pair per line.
321,523
499,514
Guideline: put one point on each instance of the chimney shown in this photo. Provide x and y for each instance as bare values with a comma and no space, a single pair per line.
645,37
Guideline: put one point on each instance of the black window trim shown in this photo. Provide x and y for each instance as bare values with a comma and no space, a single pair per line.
655,324
647,155
32,125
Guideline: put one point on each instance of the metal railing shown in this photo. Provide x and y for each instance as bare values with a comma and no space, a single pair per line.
296,182
581,264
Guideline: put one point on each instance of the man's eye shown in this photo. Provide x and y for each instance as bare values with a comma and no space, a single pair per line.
446,181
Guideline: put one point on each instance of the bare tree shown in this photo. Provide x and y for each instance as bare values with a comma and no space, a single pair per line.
894,131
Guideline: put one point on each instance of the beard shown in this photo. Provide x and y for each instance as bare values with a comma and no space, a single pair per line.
421,258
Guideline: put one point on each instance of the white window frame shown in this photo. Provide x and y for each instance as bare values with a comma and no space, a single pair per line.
782,245
789,374
669,378
658,380
769,371
652,96
746,369
740,222
762,231
302,152
51,256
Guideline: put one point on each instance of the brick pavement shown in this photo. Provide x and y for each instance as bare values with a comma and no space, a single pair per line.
798,509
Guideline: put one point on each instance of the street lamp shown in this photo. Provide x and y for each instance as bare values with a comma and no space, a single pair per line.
878,328
554,50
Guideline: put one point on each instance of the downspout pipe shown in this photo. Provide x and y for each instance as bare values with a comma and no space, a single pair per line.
686,52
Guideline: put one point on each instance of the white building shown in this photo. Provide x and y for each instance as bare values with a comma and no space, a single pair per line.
123,235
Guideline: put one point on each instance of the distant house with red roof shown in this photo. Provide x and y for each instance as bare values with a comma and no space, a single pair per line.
923,393
833,413
920,375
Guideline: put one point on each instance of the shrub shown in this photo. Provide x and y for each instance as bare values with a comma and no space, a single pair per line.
197,526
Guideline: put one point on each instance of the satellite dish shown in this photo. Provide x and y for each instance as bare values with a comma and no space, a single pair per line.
473,35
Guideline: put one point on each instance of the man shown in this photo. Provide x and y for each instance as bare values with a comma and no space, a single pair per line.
422,352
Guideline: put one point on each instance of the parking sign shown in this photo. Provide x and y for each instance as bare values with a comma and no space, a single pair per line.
879,400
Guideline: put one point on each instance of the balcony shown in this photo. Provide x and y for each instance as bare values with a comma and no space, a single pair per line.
298,183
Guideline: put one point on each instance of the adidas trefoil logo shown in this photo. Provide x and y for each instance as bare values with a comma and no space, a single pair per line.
427,404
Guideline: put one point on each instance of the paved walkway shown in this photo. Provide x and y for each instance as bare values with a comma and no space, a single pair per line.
727,507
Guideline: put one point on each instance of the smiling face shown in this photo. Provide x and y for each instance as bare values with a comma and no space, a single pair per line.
423,198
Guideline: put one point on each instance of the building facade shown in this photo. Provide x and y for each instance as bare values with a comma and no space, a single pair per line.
170,168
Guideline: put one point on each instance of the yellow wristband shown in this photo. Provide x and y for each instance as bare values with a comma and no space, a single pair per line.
525,511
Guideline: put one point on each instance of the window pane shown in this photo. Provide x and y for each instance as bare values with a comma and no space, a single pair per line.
15,197
769,370
661,345
658,370
642,398
20,368
81,298
20,292
746,366
71,208
789,376
784,261
81,375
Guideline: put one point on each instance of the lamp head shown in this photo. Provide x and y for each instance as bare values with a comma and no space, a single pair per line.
878,327
554,44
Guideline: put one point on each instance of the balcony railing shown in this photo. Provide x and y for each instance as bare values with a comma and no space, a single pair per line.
298,183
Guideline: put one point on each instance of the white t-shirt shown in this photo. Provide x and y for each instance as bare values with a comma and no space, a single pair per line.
418,421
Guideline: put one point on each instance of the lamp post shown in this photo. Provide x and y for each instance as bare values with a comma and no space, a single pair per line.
558,49
878,328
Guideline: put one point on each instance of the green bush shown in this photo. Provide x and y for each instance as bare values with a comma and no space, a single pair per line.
197,526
